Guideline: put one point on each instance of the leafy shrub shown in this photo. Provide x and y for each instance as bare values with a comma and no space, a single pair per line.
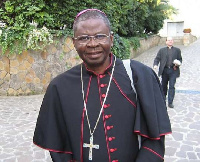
122,46
12,40
129,18
39,38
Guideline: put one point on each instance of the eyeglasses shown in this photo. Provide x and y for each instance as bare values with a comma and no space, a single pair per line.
85,39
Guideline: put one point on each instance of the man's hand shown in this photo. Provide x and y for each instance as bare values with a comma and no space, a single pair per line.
155,67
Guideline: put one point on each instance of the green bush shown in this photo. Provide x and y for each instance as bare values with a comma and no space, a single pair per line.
129,18
122,46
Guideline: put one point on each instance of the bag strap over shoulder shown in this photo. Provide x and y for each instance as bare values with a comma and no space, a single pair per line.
127,65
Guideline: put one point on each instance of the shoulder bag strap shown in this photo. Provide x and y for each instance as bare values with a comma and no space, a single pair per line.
127,65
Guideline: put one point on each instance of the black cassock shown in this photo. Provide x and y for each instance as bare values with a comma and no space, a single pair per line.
62,127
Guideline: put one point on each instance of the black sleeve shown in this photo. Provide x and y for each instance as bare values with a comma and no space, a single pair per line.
51,132
157,58
151,150
60,157
152,120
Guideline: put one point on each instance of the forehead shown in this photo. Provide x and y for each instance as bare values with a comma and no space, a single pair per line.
169,39
91,26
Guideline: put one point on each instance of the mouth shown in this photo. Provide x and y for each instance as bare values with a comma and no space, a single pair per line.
93,55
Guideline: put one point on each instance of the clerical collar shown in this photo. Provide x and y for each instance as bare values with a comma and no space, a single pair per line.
109,68
170,47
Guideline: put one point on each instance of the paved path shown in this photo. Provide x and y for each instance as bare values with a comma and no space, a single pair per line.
18,116
183,145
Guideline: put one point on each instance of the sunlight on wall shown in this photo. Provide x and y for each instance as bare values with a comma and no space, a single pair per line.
188,11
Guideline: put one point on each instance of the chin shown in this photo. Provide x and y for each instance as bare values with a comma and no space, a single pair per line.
94,63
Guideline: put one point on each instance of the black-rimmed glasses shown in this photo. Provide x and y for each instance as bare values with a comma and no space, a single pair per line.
85,39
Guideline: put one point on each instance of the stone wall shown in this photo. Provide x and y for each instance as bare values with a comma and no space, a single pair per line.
145,44
177,40
31,71
188,38
156,40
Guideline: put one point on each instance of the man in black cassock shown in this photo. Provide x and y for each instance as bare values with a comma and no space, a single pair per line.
91,113
169,59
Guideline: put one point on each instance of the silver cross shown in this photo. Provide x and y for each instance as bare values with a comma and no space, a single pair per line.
91,146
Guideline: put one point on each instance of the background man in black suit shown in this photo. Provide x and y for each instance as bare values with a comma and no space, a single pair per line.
169,59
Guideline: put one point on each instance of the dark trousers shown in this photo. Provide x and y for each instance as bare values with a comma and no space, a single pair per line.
169,76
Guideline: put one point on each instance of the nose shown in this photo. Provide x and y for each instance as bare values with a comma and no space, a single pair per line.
92,41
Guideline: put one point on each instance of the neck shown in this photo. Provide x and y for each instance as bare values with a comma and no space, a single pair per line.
169,47
98,71
101,68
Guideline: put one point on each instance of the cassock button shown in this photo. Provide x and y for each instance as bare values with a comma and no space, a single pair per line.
111,138
109,127
103,85
107,116
113,150
101,76
103,95
106,106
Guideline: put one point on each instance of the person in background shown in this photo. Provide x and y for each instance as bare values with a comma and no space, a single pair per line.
91,113
170,60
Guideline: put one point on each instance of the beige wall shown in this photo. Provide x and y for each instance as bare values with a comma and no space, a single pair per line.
188,11
31,71
156,40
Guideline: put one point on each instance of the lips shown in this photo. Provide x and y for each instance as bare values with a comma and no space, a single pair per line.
93,55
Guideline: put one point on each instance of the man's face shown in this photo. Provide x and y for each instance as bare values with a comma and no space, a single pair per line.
94,53
169,41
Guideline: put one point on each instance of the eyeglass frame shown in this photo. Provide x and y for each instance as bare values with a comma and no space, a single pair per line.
92,36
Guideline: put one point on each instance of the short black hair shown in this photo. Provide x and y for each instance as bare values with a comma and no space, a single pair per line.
91,14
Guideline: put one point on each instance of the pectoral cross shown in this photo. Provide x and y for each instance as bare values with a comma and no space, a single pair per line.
91,146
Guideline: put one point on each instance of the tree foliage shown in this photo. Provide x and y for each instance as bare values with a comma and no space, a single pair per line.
129,18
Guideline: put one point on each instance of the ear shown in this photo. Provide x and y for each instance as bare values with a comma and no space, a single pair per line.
73,40
112,38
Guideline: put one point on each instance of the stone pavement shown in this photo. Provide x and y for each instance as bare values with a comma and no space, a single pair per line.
18,116
183,145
